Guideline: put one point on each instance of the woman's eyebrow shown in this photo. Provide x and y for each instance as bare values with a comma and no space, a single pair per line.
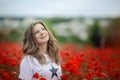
36,31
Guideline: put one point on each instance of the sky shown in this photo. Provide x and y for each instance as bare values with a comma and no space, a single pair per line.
66,8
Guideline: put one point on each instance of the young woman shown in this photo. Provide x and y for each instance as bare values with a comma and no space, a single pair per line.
41,60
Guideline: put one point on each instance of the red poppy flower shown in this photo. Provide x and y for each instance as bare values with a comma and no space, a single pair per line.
42,78
36,75
64,77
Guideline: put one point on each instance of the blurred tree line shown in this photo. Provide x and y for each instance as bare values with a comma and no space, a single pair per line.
113,33
97,36
105,37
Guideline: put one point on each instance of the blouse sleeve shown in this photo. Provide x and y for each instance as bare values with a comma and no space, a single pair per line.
25,69
60,70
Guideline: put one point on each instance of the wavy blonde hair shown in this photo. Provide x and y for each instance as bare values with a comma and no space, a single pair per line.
30,45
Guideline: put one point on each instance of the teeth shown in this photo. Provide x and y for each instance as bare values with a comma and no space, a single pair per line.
42,37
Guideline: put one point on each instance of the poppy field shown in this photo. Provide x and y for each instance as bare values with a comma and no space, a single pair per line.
78,63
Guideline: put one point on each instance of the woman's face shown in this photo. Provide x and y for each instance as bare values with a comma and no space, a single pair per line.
40,34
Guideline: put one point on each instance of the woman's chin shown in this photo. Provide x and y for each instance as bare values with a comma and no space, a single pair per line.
43,41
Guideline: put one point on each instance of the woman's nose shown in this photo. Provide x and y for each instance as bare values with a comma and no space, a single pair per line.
41,33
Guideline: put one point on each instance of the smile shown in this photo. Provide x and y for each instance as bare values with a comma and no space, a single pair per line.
43,37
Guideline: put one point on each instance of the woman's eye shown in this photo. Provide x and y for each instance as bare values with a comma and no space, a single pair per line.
36,32
43,28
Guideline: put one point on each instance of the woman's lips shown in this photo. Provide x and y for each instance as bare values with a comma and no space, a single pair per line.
42,37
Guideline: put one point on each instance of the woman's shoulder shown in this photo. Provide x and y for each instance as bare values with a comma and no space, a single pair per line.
27,59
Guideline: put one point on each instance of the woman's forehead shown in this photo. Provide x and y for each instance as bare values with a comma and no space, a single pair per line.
38,26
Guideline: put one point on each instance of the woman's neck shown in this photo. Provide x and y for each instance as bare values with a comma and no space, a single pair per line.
43,48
